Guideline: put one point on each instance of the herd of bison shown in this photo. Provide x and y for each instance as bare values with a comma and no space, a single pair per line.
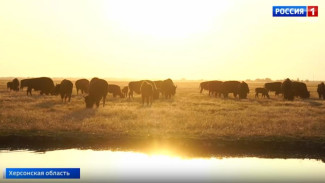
97,89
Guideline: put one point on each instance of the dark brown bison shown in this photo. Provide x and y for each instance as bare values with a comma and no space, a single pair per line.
243,90
125,91
273,87
9,85
134,87
230,87
204,86
147,91
15,84
115,90
287,89
44,85
235,87
262,91
64,89
321,90
98,89
168,88
82,85
215,88
24,83
300,90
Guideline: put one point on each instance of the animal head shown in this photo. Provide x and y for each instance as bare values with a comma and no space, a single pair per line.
56,89
305,95
89,102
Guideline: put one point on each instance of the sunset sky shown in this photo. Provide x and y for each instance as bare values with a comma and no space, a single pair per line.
228,39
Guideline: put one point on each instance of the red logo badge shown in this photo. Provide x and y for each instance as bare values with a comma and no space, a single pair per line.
312,11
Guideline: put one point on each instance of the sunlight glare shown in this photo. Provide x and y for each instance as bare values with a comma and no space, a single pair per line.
166,18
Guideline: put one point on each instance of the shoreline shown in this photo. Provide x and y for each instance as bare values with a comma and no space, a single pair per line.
264,147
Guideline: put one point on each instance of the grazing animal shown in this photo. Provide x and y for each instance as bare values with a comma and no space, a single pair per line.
287,89
274,87
9,85
134,87
115,90
147,91
64,89
321,90
24,83
230,87
168,88
215,88
243,90
15,84
262,91
98,89
44,84
125,91
82,85
204,86
300,90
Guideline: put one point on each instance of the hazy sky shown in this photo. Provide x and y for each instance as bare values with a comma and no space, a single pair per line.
217,39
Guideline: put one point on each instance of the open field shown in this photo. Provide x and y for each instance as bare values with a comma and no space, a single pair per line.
188,115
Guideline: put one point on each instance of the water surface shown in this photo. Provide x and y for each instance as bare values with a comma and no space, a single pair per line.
164,166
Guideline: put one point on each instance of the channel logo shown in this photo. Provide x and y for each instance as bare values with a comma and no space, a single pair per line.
295,11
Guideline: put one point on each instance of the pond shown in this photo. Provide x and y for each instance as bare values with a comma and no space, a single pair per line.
163,166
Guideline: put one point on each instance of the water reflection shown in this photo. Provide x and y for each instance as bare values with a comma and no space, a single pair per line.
164,166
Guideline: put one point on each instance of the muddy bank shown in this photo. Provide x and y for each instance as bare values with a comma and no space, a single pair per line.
263,147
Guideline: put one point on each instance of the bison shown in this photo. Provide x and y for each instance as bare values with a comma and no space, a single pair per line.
135,86
44,84
24,83
64,89
300,90
262,91
9,85
125,91
215,87
115,90
230,87
147,92
243,90
274,86
98,89
204,86
235,87
168,88
15,84
82,85
321,90
287,89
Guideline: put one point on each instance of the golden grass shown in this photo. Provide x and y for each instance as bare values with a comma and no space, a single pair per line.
188,115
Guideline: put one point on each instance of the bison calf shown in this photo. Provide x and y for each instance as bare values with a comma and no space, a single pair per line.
9,85
262,91
115,90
